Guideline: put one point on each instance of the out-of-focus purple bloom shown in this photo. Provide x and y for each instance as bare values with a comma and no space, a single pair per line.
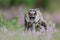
21,15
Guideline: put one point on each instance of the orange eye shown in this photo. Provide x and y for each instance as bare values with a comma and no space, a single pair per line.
35,14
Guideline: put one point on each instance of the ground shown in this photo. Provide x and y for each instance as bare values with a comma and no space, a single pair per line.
21,35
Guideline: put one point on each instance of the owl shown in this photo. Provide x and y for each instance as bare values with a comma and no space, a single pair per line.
33,20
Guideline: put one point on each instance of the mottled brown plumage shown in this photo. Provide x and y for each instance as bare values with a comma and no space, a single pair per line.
34,20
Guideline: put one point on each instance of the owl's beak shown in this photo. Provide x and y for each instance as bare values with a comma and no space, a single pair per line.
32,17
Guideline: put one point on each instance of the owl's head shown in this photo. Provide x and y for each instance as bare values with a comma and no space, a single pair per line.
32,13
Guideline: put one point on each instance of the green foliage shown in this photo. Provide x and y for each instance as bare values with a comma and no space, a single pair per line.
14,21
5,3
15,2
10,25
29,2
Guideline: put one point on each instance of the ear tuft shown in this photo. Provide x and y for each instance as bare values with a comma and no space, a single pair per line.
37,9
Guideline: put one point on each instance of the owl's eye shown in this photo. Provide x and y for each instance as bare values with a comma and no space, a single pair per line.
35,14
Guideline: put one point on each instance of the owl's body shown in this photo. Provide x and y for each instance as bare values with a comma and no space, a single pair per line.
34,20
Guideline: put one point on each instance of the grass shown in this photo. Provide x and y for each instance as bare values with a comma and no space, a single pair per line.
15,32
18,35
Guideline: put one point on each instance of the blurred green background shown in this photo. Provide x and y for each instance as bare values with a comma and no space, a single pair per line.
50,4
12,16
9,9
